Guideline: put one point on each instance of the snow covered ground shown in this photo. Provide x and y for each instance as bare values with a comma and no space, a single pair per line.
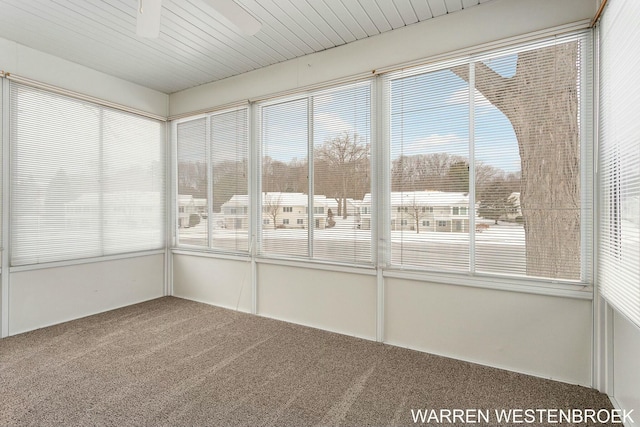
499,248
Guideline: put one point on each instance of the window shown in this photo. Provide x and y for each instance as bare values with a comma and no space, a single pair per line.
309,136
619,269
213,176
429,138
287,209
300,221
403,222
527,102
285,221
266,221
87,180
425,223
1,162
193,182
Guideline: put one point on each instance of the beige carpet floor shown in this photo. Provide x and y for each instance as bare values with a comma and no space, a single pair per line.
180,363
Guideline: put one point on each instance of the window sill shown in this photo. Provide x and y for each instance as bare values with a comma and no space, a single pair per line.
503,283
557,288
67,263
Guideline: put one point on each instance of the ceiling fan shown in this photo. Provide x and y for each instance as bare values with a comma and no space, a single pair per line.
228,11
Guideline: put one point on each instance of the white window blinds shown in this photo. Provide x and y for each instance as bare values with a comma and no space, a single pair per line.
285,188
193,182
326,135
86,180
342,174
619,157
230,198
213,200
429,137
497,180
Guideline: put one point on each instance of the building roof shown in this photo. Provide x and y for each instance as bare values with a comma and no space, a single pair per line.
424,198
282,199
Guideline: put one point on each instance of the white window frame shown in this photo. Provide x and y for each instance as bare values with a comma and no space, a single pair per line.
176,245
380,209
312,221
578,288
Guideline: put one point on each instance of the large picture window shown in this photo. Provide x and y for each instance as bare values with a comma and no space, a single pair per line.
484,167
325,136
87,180
496,149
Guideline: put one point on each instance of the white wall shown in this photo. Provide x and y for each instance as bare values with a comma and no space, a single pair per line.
489,22
30,63
541,335
626,366
221,282
336,301
47,296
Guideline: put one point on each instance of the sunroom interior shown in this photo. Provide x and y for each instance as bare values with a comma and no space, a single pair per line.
301,186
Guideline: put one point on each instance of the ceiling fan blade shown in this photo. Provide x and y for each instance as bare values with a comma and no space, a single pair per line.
235,16
148,23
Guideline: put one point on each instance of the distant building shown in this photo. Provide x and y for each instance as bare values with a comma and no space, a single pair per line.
427,210
132,209
201,207
186,207
279,210
235,212
513,209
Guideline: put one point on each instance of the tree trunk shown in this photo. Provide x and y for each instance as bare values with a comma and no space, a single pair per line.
344,208
541,102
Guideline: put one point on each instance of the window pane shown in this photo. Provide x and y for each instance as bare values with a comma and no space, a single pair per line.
192,182
619,157
55,200
133,182
528,163
342,177
229,150
429,132
285,141
86,180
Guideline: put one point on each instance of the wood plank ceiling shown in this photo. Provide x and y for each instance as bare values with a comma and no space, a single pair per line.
194,47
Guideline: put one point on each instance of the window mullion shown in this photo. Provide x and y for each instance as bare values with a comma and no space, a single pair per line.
101,175
310,185
380,204
209,164
472,170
